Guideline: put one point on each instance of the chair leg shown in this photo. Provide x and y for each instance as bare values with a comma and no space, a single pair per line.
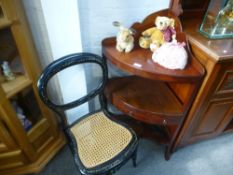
134,158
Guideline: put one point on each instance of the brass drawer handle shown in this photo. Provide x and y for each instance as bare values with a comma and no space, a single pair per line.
164,122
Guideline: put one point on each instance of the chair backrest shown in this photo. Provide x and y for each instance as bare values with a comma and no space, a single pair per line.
63,63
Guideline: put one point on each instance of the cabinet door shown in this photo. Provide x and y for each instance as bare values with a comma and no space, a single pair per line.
210,121
212,110
10,154
215,118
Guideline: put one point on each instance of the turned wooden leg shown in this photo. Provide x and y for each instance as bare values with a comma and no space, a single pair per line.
167,154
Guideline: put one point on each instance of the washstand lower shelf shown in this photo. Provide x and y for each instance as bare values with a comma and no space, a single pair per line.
146,100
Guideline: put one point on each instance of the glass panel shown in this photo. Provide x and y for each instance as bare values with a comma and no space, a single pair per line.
218,21
8,48
12,71
26,108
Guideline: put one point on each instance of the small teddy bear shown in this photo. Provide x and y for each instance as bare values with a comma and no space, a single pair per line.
9,75
151,36
125,39
163,32
166,25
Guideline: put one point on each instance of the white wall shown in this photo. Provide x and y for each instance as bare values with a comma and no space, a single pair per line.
96,18
62,22
55,26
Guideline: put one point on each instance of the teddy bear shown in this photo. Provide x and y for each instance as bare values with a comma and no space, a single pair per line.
166,25
163,32
144,42
151,36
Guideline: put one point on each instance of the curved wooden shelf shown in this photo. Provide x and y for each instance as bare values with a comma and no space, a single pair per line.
139,62
146,100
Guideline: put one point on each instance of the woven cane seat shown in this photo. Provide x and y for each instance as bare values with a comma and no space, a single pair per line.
99,139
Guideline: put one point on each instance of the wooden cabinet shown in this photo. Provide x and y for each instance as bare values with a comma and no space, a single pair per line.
23,148
212,111
153,95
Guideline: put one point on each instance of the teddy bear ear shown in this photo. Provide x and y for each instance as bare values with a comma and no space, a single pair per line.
157,18
132,31
172,22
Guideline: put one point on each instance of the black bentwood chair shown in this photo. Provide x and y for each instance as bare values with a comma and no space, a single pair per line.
99,144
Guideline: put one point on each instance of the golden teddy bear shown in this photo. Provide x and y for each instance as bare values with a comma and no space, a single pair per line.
154,37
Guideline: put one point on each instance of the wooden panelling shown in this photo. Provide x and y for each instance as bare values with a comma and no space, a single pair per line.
213,116
7,141
42,141
12,159
39,129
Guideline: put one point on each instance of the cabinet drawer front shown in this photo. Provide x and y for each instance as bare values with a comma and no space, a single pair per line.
149,119
226,83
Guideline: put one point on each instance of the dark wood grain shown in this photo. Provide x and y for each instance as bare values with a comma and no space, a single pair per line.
189,8
146,100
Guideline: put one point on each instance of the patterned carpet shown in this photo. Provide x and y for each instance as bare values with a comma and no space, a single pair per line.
212,157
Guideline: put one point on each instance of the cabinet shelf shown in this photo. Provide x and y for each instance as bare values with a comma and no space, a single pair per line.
13,87
140,98
4,23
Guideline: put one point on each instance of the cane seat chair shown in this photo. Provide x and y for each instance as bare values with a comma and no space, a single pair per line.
100,145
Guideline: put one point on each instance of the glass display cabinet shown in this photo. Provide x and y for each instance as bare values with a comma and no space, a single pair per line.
218,20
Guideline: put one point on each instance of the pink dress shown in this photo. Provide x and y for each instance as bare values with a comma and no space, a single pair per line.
167,33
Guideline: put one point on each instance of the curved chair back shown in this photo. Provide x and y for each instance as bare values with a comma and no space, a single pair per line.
63,63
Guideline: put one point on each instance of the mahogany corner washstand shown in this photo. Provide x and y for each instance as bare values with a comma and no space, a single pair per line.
153,96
